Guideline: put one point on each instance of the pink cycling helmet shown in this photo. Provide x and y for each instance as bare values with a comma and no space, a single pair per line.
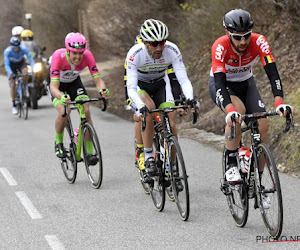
75,42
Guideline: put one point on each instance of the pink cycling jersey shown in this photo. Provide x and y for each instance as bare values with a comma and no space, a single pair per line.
63,70
238,67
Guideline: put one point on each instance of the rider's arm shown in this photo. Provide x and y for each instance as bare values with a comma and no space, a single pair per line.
180,71
132,78
269,64
218,71
7,62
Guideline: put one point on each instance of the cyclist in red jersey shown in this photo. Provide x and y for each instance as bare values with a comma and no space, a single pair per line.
66,65
231,82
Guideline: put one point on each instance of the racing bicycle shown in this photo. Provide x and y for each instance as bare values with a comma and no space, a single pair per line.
22,95
260,183
87,140
171,177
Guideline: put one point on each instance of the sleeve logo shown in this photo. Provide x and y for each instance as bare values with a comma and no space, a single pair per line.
219,53
263,44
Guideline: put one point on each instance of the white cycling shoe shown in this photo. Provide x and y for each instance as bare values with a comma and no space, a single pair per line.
14,111
233,174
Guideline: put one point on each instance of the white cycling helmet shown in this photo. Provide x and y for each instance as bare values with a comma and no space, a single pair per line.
17,30
154,30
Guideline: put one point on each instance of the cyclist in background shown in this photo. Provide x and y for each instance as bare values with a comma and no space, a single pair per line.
17,31
231,83
30,44
66,65
177,93
14,60
148,85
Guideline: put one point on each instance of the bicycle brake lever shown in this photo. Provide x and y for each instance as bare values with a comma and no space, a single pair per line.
289,121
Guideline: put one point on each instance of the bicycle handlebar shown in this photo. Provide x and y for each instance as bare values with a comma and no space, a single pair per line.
82,101
255,116
168,110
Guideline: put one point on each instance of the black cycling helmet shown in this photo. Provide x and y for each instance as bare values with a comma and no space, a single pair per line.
238,20
14,41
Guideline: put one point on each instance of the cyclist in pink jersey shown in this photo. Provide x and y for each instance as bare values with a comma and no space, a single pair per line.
231,82
65,83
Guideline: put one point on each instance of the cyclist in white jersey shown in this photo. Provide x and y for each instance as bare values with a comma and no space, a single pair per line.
148,84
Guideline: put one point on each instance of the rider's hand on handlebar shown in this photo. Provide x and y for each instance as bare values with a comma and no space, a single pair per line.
281,108
64,99
232,114
104,93
143,110
193,104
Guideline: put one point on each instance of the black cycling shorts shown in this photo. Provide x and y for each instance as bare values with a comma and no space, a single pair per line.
73,89
246,91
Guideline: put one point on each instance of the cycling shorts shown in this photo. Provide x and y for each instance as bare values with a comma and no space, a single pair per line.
17,67
159,91
246,91
73,89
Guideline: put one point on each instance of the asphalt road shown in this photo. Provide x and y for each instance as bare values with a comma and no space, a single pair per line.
40,210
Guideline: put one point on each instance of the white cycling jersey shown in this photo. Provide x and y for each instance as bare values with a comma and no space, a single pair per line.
142,67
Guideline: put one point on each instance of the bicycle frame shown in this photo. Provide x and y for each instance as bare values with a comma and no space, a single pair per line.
79,106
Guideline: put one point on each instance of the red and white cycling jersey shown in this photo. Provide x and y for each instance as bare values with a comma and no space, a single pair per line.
238,67
64,71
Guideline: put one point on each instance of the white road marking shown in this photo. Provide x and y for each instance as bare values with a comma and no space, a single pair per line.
11,181
54,242
32,211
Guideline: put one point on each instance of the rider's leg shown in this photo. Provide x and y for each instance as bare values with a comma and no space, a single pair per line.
148,134
60,123
12,91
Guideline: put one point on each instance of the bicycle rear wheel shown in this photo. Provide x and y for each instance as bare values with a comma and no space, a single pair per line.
179,181
94,170
237,197
69,163
268,191
157,187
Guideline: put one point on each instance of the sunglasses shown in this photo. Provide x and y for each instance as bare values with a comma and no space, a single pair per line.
156,43
77,45
239,37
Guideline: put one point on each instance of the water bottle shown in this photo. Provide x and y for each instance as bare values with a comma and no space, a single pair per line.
76,134
244,156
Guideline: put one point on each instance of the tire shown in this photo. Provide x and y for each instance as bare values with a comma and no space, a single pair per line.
33,98
25,105
178,173
237,197
272,216
95,172
69,164
157,188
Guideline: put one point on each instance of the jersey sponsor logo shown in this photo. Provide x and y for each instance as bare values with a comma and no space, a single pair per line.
263,44
55,72
219,53
131,58
238,70
94,68
278,84
268,59
236,61
219,97
172,48
134,54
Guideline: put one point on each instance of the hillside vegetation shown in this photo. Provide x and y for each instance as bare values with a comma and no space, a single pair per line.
193,25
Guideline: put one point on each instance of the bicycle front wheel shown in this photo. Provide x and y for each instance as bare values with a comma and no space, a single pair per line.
268,191
236,196
157,187
69,163
25,108
92,155
179,181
